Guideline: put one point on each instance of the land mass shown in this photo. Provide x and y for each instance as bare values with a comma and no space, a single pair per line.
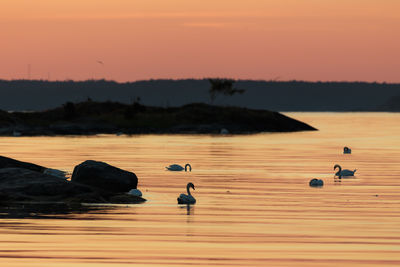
27,95
91,182
92,117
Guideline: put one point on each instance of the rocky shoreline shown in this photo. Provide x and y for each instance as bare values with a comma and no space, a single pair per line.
91,182
89,118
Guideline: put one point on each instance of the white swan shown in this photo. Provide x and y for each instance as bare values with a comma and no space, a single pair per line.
178,168
346,150
56,173
187,199
316,182
135,192
343,173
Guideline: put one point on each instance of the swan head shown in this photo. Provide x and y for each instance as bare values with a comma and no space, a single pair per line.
190,185
339,172
188,166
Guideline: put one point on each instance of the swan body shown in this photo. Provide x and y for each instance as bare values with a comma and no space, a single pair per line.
56,173
178,168
346,150
187,199
343,173
316,182
135,192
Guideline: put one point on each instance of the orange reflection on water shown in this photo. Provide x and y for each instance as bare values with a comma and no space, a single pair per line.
254,203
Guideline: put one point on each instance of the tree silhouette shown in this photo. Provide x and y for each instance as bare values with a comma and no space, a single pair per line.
222,86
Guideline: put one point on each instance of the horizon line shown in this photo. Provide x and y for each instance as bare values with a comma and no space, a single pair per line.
198,79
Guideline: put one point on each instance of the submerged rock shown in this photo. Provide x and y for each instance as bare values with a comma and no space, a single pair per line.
104,176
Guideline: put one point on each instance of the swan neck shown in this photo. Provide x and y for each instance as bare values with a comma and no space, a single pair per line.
188,190
186,167
340,168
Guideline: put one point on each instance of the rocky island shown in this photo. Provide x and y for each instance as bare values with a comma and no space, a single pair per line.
91,182
90,117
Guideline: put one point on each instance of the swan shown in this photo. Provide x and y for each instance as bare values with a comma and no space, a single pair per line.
346,150
187,199
135,192
178,168
341,172
316,182
56,173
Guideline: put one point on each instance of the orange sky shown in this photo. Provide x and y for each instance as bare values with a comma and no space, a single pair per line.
250,39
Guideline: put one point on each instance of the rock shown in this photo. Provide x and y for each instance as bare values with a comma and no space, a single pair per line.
104,176
18,184
12,163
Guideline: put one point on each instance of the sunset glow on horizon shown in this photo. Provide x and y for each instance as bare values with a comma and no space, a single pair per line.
332,40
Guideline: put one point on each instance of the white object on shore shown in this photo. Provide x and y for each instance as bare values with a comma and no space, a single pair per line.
135,192
56,173
224,131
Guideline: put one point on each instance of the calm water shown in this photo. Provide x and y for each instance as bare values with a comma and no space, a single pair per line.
254,208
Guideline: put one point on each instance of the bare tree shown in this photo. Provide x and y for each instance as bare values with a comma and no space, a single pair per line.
224,87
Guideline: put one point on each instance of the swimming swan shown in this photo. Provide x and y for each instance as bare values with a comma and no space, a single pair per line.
187,199
346,150
344,173
178,168
316,182
135,192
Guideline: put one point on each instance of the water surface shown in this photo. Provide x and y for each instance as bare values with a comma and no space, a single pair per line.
254,208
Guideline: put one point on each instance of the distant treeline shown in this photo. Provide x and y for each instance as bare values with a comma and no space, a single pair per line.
36,95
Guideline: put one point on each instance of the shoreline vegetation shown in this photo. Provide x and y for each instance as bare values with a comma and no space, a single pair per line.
279,95
90,118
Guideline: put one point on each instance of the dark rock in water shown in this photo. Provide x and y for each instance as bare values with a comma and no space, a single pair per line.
17,184
104,176
12,163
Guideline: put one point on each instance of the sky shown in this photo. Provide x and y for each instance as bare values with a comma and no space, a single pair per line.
128,40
